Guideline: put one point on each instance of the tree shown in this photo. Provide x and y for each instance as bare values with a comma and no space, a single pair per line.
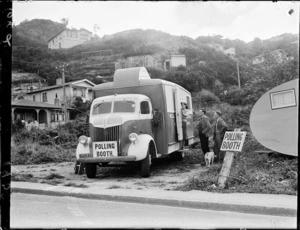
65,21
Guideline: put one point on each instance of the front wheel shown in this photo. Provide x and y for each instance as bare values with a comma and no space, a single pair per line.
90,169
79,168
145,165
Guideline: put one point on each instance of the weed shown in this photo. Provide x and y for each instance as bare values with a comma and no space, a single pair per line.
53,176
114,187
71,184
21,177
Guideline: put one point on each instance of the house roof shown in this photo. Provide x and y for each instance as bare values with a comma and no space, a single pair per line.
61,85
68,30
34,104
262,55
279,50
86,30
56,35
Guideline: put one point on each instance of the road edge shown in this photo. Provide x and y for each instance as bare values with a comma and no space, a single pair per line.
249,209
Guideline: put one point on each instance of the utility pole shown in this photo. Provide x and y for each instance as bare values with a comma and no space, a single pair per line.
64,94
238,73
64,107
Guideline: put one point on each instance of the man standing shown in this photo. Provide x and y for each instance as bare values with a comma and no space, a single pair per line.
220,128
204,128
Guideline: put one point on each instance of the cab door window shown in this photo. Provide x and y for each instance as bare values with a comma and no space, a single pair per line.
145,108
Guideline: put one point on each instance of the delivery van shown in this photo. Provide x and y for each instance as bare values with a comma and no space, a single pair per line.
135,119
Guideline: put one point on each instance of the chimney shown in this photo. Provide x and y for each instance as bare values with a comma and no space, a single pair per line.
58,81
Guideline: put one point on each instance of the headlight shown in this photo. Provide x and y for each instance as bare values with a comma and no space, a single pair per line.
133,137
83,139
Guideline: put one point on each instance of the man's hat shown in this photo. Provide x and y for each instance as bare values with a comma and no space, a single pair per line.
219,112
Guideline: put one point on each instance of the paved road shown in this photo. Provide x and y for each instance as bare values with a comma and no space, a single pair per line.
38,211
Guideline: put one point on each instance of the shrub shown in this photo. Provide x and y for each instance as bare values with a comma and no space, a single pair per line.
34,153
205,98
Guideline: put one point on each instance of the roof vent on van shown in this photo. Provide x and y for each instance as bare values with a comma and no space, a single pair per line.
130,76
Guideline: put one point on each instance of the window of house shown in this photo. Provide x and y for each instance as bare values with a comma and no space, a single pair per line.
33,98
45,97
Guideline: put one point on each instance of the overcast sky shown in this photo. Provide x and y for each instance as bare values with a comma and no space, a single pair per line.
233,20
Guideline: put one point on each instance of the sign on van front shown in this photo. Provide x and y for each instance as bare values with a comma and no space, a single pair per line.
233,141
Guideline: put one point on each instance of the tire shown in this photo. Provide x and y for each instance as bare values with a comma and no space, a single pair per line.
90,170
79,168
76,167
145,165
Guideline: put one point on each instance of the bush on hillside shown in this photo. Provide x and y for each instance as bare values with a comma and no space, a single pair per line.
17,126
205,98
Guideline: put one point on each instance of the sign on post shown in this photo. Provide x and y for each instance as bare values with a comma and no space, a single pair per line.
233,141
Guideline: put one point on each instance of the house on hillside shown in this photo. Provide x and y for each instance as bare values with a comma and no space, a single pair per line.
230,52
37,114
23,83
68,38
258,59
54,94
175,61
216,47
136,61
279,55
276,56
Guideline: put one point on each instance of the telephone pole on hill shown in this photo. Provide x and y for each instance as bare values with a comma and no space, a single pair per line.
64,106
238,73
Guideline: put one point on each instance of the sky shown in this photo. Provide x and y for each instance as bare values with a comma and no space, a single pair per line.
233,20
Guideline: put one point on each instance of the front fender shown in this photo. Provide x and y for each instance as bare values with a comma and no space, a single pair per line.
140,147
85,149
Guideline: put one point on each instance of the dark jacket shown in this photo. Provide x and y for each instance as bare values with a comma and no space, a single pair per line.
204,126
220,126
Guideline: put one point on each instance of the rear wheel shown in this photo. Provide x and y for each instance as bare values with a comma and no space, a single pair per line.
90,169
76,167
145,165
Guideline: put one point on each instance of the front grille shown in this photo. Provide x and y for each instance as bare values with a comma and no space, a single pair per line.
108,134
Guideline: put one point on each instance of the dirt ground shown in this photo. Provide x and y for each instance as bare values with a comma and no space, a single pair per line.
166,174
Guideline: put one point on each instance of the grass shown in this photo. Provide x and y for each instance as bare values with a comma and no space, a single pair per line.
40,146
251,173
53,176
23,177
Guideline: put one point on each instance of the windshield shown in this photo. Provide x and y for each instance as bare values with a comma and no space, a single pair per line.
102,108
119,107
124,107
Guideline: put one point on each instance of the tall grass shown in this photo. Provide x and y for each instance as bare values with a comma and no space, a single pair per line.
49,145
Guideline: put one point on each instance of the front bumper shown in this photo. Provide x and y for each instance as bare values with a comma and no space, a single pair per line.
107,159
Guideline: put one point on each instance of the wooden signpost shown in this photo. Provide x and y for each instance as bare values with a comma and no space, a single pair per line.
232,142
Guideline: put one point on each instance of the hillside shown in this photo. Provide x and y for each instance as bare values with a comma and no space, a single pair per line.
218,73
35,32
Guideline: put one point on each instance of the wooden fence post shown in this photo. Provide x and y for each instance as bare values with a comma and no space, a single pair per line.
226,166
